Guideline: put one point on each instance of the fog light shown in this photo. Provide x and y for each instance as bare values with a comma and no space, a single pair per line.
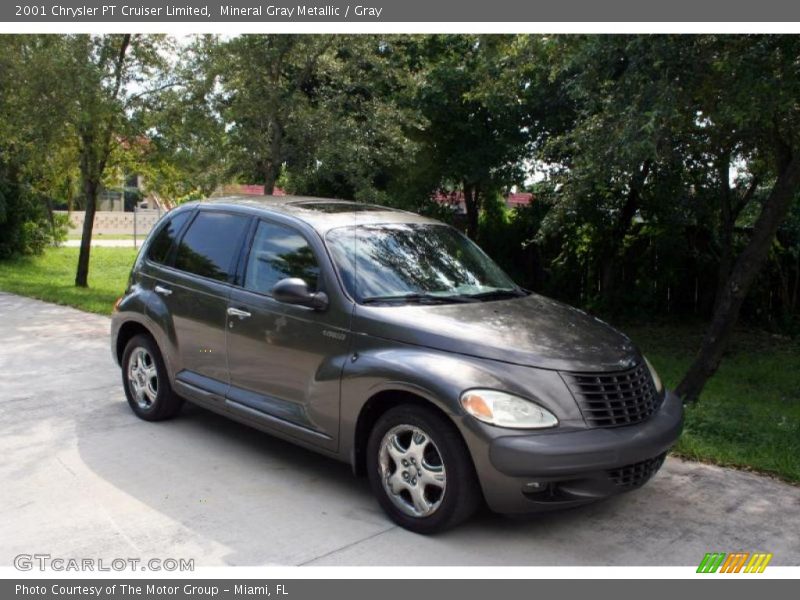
534,486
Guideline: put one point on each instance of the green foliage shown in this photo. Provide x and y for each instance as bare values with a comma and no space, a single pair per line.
496,237
23,223
26,153
49,277
638,138
475,132
356,143
475,129
658,135
729,427
187,156
267,88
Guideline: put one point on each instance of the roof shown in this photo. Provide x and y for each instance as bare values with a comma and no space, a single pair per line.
323,214
519,199
513,200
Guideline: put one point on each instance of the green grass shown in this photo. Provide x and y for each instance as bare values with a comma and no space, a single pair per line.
51,277
748,416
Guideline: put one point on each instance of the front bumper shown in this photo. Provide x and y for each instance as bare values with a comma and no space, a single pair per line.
559,469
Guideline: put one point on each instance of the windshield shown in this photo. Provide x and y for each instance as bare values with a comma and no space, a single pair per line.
404,262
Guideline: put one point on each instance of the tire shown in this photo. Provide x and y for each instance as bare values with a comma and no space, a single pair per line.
146,383
436,488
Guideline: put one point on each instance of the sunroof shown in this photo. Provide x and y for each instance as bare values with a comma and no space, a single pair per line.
339,207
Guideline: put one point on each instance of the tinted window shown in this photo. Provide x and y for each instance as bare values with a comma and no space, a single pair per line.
159,248
211,244
279,252
399,259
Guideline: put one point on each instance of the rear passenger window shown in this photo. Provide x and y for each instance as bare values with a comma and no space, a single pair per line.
161,244
279,252
211,244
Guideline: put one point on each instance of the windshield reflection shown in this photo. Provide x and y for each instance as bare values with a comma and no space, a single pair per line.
401,261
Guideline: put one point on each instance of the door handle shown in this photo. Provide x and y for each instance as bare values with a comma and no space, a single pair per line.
162,290
235,312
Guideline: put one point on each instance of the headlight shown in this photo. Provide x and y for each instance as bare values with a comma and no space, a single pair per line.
654,375
506,410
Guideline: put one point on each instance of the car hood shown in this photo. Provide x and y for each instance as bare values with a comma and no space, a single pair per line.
533,331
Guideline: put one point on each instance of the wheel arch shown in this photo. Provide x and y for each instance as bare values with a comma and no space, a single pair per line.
127,331
377,405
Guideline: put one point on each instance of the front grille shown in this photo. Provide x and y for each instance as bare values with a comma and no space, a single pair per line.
632,476
614,399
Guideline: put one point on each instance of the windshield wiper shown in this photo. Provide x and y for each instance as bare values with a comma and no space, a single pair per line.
498,294
416,297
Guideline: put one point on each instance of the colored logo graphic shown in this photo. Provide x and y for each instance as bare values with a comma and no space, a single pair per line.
736,562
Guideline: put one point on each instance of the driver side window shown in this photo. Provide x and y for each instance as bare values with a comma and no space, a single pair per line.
279,252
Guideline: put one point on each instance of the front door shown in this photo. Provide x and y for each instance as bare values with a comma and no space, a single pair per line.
285,361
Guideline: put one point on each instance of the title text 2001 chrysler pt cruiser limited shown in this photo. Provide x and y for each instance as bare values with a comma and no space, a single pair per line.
391,341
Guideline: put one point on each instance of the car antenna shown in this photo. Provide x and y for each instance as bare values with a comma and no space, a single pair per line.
355,257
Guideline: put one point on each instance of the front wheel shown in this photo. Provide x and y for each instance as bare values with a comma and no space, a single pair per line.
147,386
420,470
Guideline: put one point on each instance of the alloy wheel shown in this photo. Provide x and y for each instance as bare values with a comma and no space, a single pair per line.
143,377
412,470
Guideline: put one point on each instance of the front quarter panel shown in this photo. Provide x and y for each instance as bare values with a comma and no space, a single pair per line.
439,377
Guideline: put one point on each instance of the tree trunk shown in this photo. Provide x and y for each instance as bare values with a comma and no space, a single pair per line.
730,209
793,304
727,221
608,275
82,274
272,164
608,266
741,277
50,216
473,207
270,177
95,148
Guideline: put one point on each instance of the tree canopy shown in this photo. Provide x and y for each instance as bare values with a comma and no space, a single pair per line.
664,168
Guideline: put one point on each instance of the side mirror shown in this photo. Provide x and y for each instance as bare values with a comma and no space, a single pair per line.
294,290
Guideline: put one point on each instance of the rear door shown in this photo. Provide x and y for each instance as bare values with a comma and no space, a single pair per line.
195,290
286,360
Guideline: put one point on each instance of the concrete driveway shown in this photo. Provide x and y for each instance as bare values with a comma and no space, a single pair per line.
80,476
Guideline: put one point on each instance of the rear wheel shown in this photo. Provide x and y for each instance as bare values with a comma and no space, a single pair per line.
144,377
420,470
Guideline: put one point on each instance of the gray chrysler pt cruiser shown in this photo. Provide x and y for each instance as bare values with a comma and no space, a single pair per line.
390,341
